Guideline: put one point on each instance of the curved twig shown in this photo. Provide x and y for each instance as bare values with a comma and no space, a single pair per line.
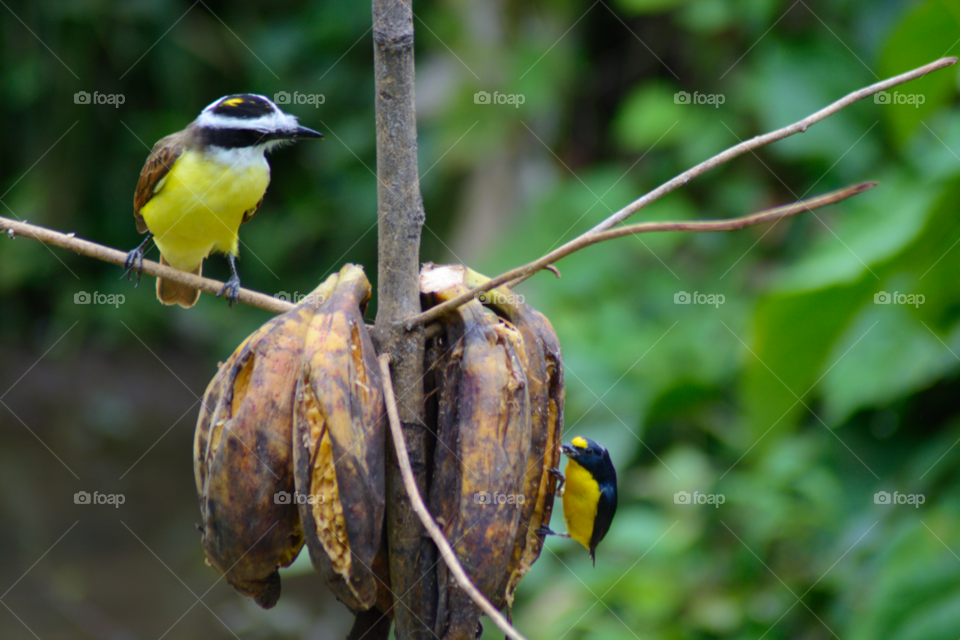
730,224
758,141
424,514
522,273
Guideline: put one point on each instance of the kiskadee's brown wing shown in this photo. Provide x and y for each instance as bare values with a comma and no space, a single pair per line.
162,158
249,213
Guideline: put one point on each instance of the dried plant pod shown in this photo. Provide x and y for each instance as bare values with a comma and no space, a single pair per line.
243,458
480,459
339,445
545,379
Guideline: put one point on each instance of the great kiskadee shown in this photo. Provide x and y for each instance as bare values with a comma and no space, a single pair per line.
200,184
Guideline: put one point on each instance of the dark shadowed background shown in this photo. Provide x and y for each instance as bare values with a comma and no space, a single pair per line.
815,365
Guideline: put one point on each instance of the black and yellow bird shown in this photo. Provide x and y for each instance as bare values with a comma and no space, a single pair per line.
589,493
200,184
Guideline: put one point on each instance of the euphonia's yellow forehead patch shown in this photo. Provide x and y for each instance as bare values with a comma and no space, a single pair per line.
579,442
232,102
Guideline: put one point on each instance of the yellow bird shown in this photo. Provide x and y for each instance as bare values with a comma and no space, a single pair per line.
589,493
200,184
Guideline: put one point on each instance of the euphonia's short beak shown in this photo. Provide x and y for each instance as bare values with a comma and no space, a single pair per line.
569,450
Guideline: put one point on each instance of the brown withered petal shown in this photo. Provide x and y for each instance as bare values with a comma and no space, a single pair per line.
243,460
480,460
339,441
545,378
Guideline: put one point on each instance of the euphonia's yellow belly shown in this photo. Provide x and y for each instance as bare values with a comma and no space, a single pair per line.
200,206
581,494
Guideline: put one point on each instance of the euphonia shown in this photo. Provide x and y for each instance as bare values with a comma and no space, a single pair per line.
589,493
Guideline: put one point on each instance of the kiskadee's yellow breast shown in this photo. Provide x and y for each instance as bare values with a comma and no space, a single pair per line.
581,493
199,205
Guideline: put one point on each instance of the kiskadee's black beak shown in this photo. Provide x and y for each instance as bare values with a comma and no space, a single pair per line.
303,133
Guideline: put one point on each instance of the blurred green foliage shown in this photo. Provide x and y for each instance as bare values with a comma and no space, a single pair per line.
797,398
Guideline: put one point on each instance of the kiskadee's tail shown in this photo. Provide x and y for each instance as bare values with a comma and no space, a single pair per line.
176,293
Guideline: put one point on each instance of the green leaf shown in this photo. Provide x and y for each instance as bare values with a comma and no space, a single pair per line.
650,114
884,355
916,591
926,34
793,334
860,233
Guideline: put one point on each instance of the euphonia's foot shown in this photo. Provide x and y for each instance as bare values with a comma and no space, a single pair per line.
134,261
559,476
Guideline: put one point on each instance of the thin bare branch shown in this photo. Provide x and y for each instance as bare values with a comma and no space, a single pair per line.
586,240
515,276
759,141
449,556
89,249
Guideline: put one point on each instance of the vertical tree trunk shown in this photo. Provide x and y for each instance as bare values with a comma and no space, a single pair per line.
401,217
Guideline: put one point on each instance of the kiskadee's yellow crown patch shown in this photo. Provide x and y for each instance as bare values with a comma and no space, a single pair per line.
579,442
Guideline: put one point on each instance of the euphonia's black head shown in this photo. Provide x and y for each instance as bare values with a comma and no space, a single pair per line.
592,457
